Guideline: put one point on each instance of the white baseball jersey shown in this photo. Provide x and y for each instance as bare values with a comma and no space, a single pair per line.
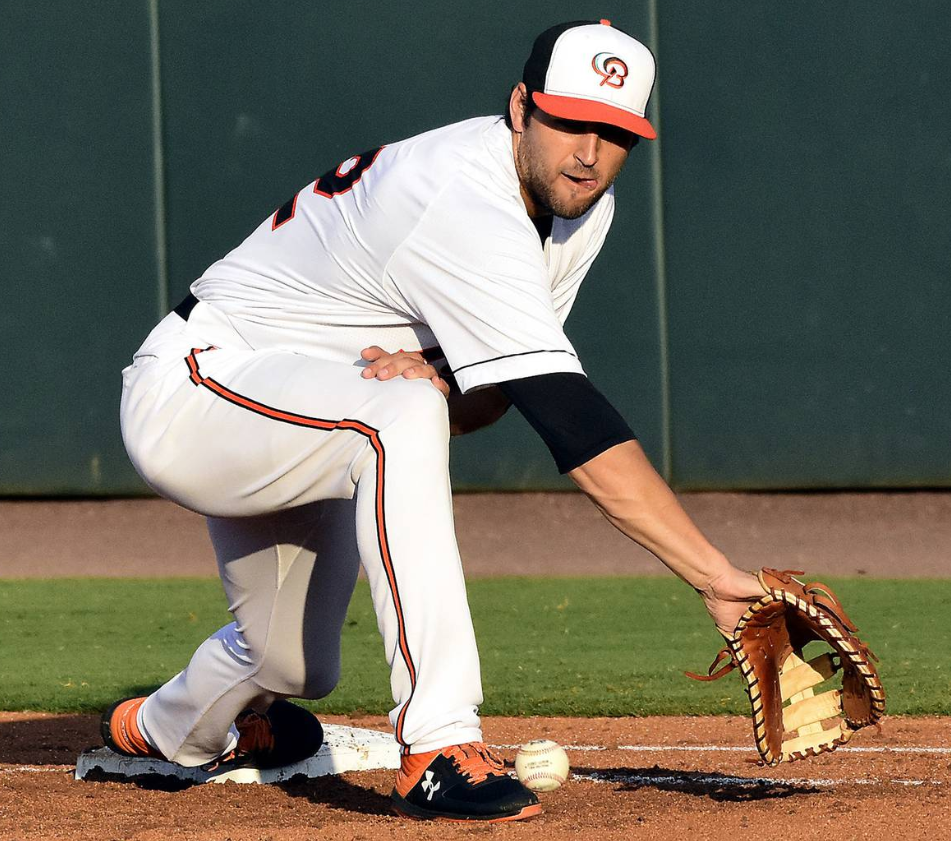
420,243
248,408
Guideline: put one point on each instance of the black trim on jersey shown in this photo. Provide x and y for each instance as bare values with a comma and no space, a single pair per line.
510,356
184,309
543,225
573,418
285,212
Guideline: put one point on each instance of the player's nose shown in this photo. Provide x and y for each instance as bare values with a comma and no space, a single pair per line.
587,149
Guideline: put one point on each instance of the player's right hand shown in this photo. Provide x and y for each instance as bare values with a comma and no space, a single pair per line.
408,364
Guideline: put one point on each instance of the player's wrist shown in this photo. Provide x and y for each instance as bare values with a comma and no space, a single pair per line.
714,575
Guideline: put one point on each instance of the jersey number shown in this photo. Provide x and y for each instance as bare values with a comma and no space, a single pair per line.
335,182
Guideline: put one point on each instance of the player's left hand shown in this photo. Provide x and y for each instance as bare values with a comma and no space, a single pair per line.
727,597
796,714
407,364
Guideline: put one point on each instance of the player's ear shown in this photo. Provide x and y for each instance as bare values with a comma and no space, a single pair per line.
518,103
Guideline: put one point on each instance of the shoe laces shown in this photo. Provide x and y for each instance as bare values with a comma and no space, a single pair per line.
254,736
475,761
254,733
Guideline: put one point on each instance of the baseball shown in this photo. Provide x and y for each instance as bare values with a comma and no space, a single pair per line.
541,765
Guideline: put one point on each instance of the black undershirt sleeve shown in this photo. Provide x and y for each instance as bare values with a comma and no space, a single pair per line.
573,418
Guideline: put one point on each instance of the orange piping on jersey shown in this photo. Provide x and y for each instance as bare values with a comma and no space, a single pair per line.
195,377
373,436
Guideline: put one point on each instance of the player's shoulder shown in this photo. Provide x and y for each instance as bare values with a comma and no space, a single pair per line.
464,170
443,149
475,148
465,134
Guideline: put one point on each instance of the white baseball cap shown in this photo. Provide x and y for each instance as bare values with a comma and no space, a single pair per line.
594,72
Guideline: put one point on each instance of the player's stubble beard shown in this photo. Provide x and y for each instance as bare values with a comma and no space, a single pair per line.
538,181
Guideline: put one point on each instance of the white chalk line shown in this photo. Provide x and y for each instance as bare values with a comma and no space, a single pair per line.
693,780
38,769
734,749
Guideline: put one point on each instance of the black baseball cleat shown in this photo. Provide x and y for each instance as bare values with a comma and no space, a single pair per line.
461,783
283,735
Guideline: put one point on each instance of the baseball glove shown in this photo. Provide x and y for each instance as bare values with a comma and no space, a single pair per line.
791,721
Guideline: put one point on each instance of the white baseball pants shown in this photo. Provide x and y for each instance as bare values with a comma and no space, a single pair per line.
304,470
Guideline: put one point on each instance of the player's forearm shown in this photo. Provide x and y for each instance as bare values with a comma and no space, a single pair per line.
638,502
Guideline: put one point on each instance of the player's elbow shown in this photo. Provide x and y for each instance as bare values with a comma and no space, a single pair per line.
477,410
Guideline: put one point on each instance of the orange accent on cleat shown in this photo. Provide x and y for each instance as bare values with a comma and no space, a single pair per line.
464,782
255,738
121,730
411,769
474,760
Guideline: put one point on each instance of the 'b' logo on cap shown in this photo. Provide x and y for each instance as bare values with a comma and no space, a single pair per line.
610,68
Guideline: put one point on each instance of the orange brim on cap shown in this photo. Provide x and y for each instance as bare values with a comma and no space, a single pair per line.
589,111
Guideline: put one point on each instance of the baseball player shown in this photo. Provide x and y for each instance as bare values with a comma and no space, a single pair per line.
298,399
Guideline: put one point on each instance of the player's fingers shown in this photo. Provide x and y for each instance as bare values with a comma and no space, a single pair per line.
391,365
380,359
418,372
372,353
375,353
428,372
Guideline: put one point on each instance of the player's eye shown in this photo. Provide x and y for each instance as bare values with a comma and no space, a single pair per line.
617,136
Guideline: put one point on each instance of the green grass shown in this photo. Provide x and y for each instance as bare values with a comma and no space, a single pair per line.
549,646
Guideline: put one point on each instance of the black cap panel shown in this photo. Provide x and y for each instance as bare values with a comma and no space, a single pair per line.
536,68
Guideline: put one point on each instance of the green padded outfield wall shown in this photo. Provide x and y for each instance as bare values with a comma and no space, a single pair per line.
772,306
807,220
78,267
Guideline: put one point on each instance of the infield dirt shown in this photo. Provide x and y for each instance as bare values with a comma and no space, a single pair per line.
648,778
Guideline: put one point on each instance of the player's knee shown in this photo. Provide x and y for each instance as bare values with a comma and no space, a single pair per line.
313,683
422,407
412,417
287,673
321,681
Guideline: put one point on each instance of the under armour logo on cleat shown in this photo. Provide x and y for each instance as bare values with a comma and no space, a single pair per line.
429,785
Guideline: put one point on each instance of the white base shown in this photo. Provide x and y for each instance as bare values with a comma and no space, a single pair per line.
344,749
